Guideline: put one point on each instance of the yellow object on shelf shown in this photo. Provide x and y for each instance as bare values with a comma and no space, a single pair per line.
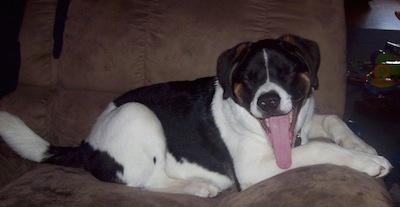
381,71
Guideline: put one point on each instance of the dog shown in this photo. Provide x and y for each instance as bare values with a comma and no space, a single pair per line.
203,136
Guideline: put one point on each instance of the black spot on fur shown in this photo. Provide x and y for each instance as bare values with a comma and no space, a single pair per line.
65,156
100,164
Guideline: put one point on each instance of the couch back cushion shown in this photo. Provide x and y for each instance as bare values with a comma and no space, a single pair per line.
36,37
116,46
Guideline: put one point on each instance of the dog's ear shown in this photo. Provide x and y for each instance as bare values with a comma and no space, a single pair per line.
308,51
227,63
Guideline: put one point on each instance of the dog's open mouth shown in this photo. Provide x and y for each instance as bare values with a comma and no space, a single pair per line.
280,130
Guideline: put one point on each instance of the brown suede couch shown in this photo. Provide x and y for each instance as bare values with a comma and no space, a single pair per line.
112,46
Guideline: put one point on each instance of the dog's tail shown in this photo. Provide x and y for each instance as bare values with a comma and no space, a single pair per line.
31,146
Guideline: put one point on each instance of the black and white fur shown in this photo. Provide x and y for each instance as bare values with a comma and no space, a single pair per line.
201,137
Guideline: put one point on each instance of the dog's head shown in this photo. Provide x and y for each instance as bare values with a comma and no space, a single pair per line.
271,79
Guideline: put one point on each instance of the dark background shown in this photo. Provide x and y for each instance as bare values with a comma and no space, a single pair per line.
11,13
370,23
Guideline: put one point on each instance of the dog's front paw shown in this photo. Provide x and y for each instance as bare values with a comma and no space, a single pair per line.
375,165
202,189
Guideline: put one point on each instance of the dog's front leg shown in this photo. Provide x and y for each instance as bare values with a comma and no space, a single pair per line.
312,153
331,126
329,153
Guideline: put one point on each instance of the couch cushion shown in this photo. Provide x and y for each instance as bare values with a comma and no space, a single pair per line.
36,38
12,166
104,41
51,185
319,186
136,42
75,112
185,38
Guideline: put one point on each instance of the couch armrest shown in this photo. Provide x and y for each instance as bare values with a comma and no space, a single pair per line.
12,166
319,185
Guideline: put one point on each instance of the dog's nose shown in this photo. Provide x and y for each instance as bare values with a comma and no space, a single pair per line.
269,101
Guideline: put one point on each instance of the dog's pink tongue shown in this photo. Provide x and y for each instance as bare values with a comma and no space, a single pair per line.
281,140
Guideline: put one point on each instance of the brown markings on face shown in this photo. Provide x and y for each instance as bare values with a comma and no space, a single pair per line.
289,39
239,49
238,91
230,77
305,85
238,52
